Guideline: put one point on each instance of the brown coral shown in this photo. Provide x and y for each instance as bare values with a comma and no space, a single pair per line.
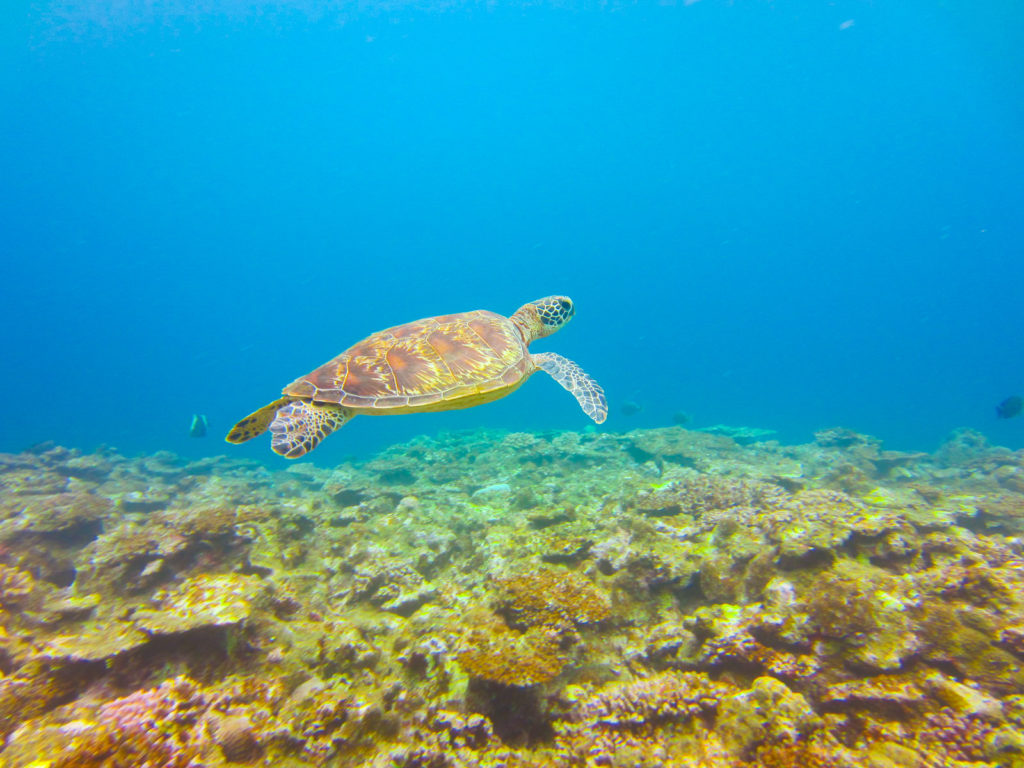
544,597
842,607
236,738
491,651
821,750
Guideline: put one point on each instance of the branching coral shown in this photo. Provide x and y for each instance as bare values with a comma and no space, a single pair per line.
668,696
699,494
687,745
743,649
730,639
461,730
958,737
979,584
158,726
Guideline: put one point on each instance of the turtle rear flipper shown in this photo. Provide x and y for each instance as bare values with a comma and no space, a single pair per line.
256,423
588,393
299,426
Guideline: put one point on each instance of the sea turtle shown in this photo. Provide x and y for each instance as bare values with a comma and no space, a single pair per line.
436,364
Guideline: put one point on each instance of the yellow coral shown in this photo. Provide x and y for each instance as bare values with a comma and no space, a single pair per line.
15,586
207,600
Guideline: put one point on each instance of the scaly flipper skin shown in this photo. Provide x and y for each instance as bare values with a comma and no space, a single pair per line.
586,391
299,427
256,423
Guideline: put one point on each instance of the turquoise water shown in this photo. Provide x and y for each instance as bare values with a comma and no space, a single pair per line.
792,219
789,215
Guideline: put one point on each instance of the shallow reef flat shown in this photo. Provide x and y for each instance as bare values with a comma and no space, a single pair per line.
656,598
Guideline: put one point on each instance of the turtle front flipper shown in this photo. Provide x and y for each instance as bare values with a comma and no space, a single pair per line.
586,391
299,426
256,423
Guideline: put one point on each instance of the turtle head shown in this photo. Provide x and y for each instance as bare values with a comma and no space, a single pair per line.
543,317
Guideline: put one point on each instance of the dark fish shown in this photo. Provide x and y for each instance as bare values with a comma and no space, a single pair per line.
679,418
1009,408
630,408
199,424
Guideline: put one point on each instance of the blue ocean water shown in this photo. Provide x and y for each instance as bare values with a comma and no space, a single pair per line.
786,214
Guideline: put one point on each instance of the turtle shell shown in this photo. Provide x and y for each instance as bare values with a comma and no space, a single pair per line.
440,363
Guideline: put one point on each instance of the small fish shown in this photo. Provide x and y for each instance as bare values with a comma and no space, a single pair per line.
679,418
199,424
1009,408
630,408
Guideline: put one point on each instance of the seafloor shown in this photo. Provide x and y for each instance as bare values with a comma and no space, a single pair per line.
657,598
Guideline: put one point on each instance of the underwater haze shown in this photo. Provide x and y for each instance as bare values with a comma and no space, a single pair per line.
791,232
789,215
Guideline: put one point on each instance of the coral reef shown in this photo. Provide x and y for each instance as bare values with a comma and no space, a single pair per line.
659,597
